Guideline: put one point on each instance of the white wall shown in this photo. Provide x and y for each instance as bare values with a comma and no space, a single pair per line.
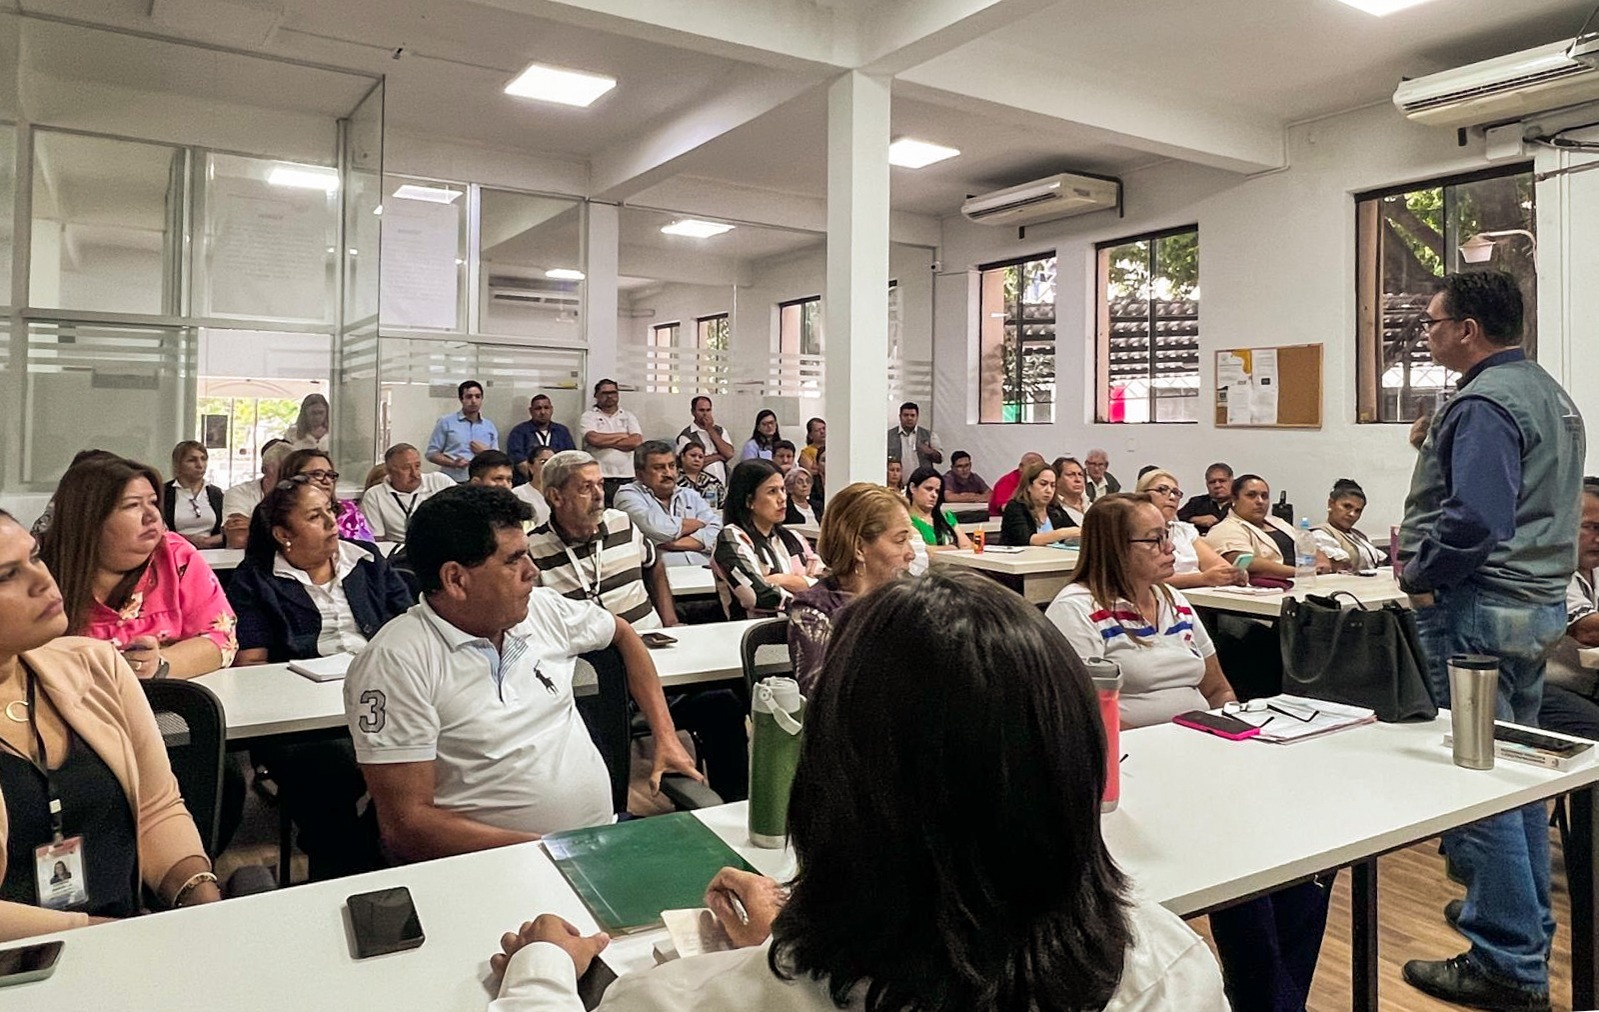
1277,266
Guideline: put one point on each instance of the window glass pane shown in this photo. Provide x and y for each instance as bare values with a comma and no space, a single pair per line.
1407,241
255,380
1148,347
661,375
424,254
1016,333
523,238
270,233
105,221
8,179
137,379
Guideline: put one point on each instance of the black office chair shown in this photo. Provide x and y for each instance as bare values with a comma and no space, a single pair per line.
195,731
772,636
606,713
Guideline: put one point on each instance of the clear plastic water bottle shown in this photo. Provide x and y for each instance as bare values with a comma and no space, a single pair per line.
1304,554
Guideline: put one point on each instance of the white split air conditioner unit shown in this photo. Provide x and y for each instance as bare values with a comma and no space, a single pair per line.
1505,88
1060,196
516,290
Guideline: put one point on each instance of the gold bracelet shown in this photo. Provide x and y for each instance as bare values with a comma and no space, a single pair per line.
194,880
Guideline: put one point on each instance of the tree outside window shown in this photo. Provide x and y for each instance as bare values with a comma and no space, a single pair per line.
1016,335
1147,347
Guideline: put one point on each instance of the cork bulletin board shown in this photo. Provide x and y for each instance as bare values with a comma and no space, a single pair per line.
1269,388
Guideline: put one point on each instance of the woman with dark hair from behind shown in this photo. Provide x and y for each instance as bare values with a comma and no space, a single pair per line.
950,707
1338,538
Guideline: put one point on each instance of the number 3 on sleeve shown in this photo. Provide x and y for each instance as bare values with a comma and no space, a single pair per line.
373,720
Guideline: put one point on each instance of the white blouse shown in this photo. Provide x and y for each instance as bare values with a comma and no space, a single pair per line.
191,514
1183,535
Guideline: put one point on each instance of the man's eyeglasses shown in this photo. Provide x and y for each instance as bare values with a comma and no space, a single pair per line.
1171,490
1426,323
1261,705
1163,541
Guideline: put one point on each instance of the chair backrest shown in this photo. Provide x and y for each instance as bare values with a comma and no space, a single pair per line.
773,633
195,731
605,713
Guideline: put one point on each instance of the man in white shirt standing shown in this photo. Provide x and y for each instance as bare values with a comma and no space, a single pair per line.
611,433
674,517
389,504
461,709
712,437
241,500
911,444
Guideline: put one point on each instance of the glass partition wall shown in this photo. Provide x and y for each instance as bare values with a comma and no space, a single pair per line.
180,250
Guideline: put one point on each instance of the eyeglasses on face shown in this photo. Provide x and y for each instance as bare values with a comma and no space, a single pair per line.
1426,323
1171,490
319,475
1163,541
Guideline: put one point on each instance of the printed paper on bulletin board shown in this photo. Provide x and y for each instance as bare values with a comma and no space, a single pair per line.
1269,387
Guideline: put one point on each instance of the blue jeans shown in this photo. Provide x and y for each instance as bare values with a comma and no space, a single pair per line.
1507,916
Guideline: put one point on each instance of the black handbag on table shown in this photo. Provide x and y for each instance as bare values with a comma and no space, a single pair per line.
1361,656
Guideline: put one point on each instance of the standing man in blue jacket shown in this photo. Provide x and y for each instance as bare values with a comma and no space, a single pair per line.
1488,546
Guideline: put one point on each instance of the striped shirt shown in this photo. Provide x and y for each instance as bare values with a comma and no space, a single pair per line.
1161,668
607,569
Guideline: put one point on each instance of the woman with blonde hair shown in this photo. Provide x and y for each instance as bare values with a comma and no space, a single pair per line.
1197,564
866,541
1032,517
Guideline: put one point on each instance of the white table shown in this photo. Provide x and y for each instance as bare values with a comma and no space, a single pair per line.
1037,572
813,531
690,581
1372,591
270,700
1186,842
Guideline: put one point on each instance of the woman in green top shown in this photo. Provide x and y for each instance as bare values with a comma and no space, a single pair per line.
928,516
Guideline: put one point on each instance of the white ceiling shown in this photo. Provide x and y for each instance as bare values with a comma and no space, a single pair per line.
1266,64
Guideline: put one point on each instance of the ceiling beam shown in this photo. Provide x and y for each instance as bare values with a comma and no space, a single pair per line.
747,93
894,35
785,34
1018,84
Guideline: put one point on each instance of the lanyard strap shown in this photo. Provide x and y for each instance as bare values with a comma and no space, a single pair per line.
42,764
592,593
405,508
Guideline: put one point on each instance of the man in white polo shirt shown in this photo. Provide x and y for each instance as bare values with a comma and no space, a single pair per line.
611,433
461,709
389,504
241,500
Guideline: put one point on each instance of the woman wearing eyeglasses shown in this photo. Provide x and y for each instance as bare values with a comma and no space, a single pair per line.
1119,607
1197,564
316,465
191,507
1250,527
303,592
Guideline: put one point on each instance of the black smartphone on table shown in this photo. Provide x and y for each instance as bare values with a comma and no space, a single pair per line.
384,921
29,962
657,640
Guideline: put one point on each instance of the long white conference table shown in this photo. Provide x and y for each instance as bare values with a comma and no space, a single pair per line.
1372,591
1203,822
1036,572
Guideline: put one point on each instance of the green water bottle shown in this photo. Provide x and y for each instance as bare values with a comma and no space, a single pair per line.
777,713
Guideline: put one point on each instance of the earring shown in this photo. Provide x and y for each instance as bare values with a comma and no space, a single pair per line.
288,546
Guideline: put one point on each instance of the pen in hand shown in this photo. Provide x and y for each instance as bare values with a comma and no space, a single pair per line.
737,905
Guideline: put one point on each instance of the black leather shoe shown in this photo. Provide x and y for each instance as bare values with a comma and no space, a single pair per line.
1452,911
1456,980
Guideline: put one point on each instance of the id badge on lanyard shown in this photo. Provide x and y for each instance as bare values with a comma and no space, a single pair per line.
58,866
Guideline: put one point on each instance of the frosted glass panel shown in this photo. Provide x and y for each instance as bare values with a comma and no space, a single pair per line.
271,229
525,238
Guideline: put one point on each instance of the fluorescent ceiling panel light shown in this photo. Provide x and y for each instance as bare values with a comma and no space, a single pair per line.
696,229
304,177
1382,8
553,84
431,194
564,274
913,154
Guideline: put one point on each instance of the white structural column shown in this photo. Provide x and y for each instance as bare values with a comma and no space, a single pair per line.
602,249
856,299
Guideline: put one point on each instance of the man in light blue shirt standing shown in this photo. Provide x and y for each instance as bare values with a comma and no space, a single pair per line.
679,522
461,435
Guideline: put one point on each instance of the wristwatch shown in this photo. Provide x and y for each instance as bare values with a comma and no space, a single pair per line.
161,670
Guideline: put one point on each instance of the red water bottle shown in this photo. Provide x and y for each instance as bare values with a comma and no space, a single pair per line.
1107,676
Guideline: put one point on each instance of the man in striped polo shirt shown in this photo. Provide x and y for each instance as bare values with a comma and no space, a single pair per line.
588,552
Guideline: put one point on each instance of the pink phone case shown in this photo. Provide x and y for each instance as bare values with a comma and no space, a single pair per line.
1229,735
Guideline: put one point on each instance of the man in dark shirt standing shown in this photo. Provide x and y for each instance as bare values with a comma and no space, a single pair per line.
1488,546
1205,511
537,431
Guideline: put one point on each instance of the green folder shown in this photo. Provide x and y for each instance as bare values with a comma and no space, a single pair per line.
628,872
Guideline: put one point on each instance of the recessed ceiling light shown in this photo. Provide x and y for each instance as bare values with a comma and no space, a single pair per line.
431,194
696,229
564,274
1382,7
304,177
913,154
554,84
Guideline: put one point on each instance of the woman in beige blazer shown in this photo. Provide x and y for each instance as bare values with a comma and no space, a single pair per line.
78,702
1250,527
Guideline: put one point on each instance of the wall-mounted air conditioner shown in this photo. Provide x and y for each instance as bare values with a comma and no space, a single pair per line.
1505,88
514,290
1060,196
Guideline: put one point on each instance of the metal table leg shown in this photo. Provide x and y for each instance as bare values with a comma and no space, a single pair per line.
1363,935
1580,883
